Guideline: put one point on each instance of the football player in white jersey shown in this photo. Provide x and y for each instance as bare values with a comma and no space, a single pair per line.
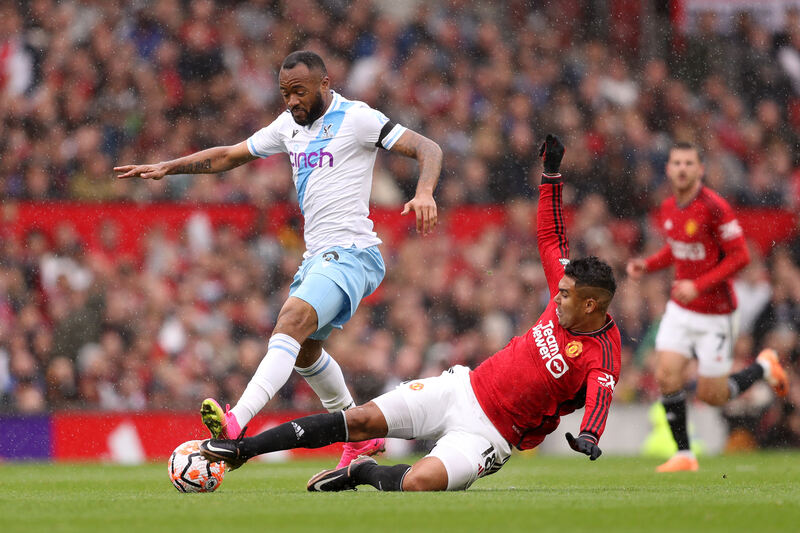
332,143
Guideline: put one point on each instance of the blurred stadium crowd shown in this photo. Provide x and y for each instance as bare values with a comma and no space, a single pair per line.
87,84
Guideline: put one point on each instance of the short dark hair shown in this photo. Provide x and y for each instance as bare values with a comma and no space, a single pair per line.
591,272
686,145
308,58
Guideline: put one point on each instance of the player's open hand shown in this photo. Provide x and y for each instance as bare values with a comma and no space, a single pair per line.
424,208
584,444
551,152
636,268
684,291
148,172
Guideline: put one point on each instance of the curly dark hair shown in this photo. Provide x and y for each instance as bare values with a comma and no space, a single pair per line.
591,272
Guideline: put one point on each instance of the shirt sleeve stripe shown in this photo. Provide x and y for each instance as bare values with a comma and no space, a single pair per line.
601,420
603,350
562,237
607,358
392,137
559,227
602,413
252,148
607,340
594,410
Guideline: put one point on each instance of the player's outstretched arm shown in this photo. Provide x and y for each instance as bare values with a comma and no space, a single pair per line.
639,266
429,157
600,385
210,161
551,233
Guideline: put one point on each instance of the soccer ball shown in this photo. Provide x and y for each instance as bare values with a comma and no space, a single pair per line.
190,472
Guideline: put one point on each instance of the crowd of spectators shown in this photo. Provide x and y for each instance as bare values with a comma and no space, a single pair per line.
87,84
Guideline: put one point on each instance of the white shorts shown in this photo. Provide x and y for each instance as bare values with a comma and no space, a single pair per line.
445,409
708,337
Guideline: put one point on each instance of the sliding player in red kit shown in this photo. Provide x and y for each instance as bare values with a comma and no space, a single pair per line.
569,359
707,247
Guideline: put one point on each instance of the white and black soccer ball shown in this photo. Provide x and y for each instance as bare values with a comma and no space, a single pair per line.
190,472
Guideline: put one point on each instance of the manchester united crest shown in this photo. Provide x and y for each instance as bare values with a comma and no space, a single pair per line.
691,227
574,349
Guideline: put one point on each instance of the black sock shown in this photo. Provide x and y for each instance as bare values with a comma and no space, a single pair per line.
313,431
385,478
744,379
675,406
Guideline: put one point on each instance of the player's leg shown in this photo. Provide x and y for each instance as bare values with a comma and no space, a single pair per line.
715,384
450,466
673,352
314,431
324,375
352,274
427,474
671,378
296,321
414,409
315,301
362,423
443,408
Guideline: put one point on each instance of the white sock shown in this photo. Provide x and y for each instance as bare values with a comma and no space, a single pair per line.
325,377
271,374
767,368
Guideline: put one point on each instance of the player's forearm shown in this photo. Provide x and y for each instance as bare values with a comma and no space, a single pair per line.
735,261
209,161
595,413
551,232
659,260
429,157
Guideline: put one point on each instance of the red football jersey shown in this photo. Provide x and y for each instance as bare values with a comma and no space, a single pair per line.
550,371
706,244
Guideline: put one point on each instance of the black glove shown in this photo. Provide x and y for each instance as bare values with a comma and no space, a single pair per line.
585,445
551,152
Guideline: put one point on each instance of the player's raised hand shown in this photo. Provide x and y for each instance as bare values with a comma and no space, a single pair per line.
424,208
585,445
551,152
635,268
151,172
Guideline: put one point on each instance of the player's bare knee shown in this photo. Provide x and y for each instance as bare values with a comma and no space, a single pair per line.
668,380
365,422
297,319
423,480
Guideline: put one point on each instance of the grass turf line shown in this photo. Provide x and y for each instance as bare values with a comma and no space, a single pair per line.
756,492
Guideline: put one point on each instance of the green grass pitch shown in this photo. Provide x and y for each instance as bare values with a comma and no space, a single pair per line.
750,493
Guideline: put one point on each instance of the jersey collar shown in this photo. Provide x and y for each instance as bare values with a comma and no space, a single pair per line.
690,200
608,325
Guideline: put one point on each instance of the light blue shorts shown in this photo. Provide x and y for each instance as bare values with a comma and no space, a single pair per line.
335,281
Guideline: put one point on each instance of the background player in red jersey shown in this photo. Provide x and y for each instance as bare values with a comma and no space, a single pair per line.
707,247
569,359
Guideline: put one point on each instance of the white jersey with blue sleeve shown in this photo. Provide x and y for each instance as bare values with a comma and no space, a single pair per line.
332,161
